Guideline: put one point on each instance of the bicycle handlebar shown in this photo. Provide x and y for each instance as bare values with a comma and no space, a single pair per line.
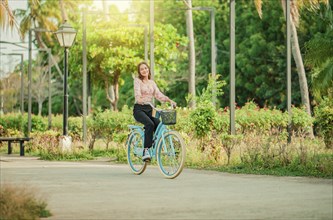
148,103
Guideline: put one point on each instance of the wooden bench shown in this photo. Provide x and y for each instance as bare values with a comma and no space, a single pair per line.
11,140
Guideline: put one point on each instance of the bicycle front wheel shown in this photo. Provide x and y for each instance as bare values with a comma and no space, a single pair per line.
171,152
134,153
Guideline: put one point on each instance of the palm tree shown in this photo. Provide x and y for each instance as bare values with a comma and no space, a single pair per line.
42,15
319,56
295,6
7,18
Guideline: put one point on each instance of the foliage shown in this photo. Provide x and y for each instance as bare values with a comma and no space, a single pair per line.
116,49
260,51
262,120
301,121
202,119
320,58
229,142
112,125
260,146
75,127
324,121
38,123
10,91
273,156
11,121
19,122
203,116
46,141
21,202
319,54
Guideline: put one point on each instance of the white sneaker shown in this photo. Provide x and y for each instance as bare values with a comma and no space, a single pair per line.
146,156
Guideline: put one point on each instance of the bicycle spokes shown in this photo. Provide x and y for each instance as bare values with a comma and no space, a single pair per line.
171,154
134,153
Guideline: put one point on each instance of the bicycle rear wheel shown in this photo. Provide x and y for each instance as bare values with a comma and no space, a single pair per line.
171,152
134,153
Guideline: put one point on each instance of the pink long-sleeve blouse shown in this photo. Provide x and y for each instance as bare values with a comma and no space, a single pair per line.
144,92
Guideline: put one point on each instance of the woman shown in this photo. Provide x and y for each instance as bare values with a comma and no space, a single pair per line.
145,90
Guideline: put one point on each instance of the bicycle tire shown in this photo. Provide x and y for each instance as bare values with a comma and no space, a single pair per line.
171,153
134,158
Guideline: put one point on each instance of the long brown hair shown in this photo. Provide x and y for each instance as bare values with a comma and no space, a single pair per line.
139,74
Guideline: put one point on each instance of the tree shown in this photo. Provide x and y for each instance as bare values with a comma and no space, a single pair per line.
10,90
115,49
44,14
319,56
7,18
40,14
40,83
174,13
295,6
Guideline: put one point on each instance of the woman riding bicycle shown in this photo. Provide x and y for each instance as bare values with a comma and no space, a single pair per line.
145,90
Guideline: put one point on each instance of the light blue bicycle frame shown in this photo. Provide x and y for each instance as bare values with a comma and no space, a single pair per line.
159,133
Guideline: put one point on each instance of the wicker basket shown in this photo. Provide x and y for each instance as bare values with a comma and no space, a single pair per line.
169,117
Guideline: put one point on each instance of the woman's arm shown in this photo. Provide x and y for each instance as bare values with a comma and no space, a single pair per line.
137,91
161,97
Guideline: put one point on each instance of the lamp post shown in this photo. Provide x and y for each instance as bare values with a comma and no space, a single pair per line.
66,36
232,127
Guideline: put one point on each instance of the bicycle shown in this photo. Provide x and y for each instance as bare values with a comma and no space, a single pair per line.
168,146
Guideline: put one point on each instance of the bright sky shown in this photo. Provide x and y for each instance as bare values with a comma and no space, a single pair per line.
7,63
121,4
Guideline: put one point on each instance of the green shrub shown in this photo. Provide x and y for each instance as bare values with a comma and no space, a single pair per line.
57,123
202,119
183,120
46,141
324,121
204,115
221,123
300,120
12,121
75,127
251,118
38,123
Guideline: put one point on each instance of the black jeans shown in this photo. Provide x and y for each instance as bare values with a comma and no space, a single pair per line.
143,114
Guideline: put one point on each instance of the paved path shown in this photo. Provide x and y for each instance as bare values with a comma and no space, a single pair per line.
100,190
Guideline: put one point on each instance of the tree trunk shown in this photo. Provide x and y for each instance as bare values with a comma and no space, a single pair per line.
190,34
40,107
300,69
300,66
112,91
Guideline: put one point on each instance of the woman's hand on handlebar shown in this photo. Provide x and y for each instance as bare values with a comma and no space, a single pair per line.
173,104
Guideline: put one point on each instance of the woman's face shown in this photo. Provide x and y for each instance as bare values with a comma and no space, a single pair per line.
144,70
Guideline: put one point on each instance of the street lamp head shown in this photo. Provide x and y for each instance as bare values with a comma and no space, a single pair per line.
66,35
